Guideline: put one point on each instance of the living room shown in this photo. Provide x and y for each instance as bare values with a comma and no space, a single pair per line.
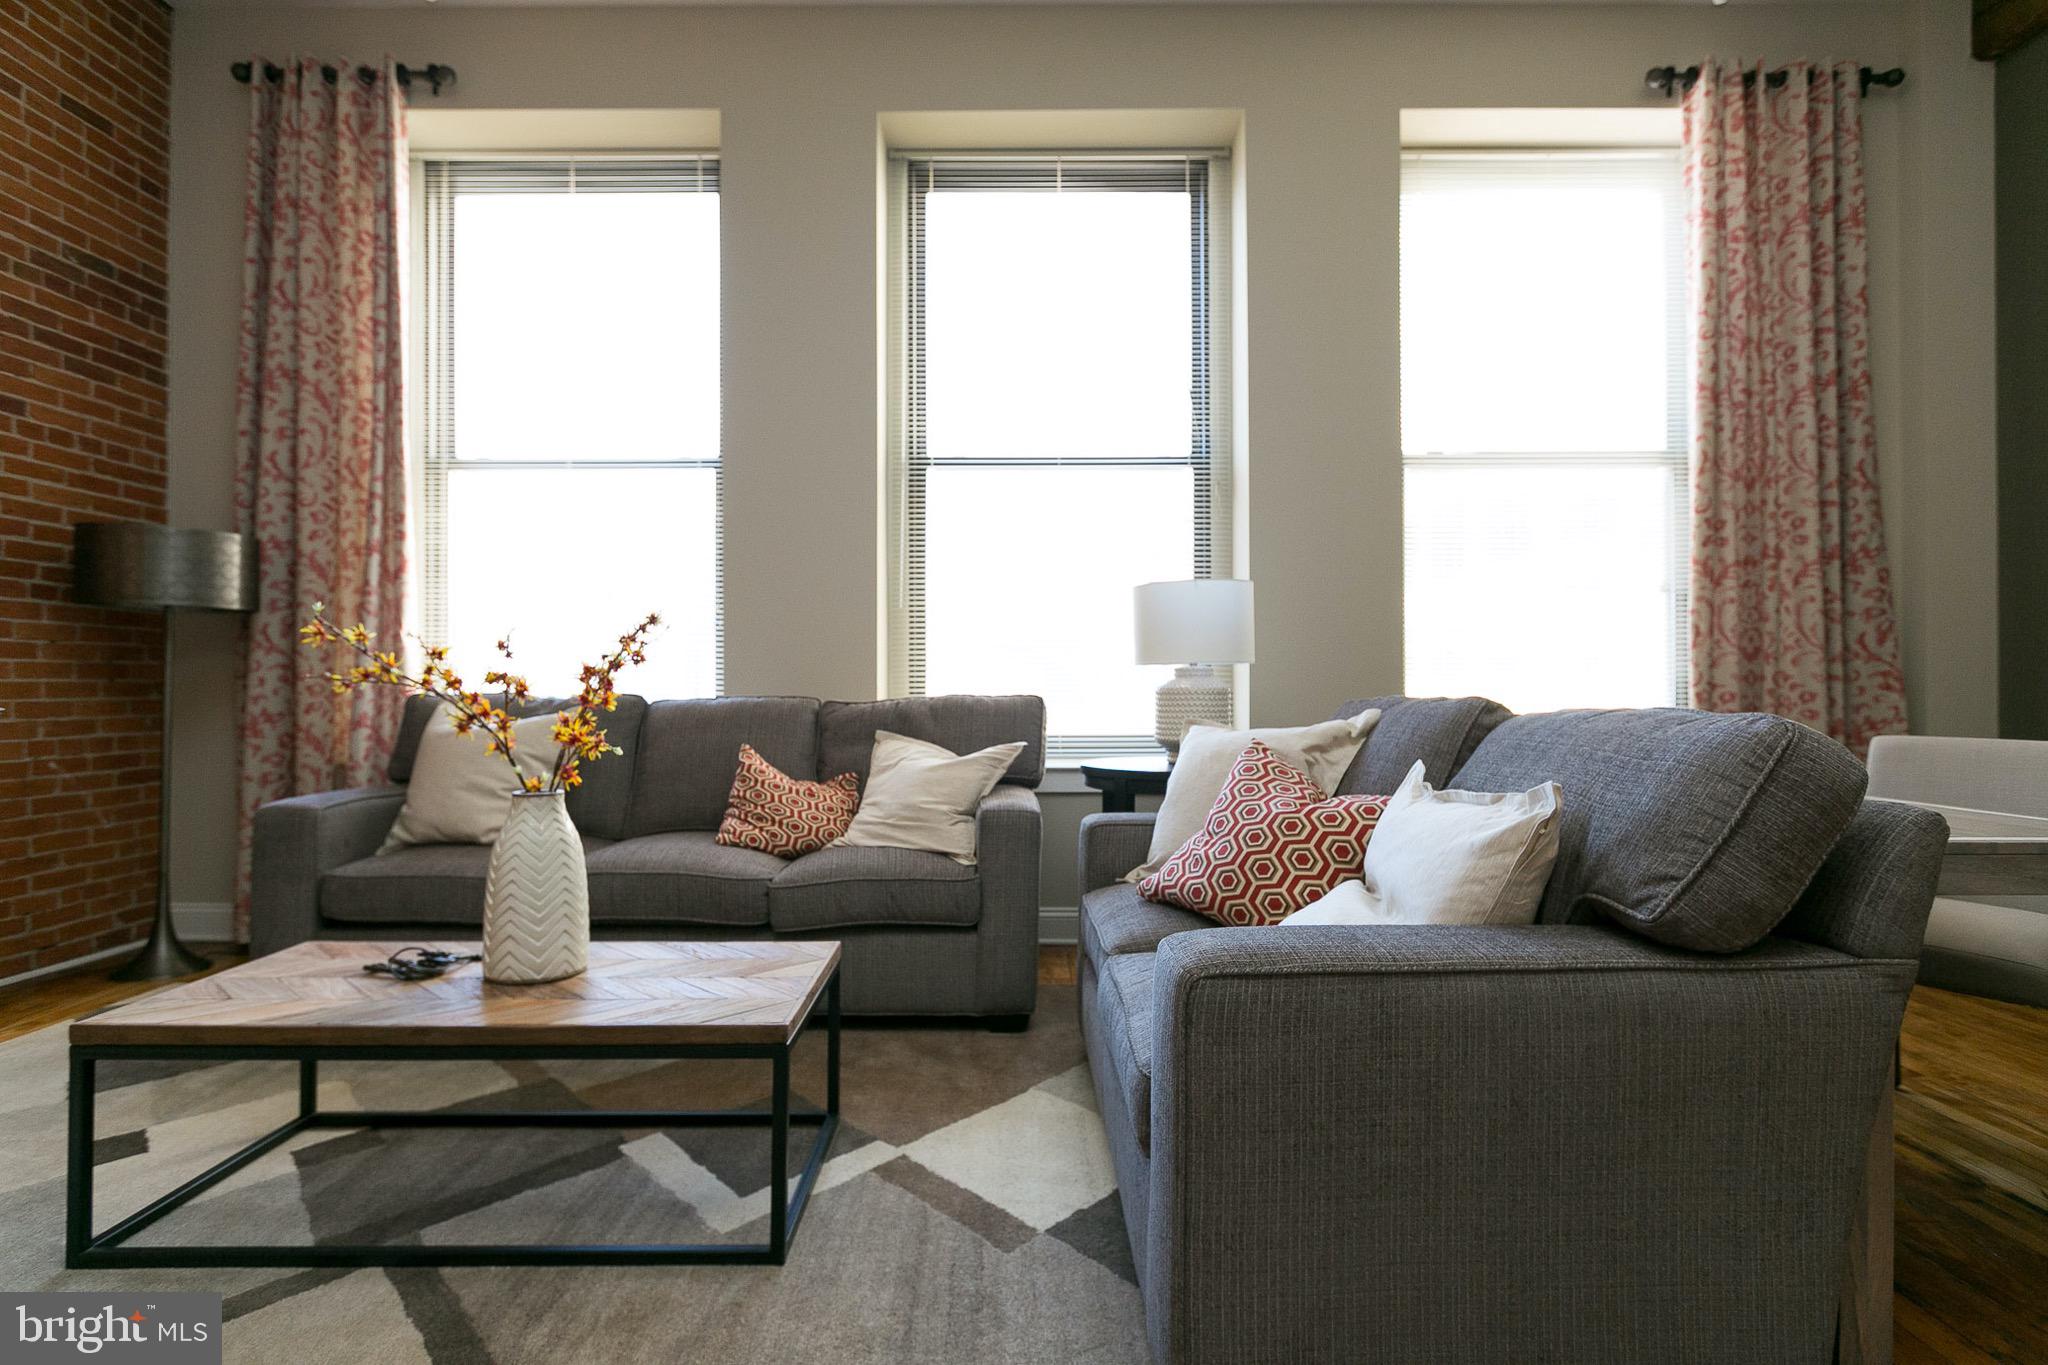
1546,494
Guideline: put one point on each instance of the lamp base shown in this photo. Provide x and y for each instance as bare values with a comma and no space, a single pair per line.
1196,694
163,956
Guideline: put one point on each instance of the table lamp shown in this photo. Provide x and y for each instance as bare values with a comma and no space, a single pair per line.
135,566
1200,626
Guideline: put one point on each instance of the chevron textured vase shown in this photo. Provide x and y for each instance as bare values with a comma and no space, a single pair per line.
536,901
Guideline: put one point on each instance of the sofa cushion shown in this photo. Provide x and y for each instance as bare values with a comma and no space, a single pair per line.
1116,920
596,807
1690,828
682,877
1441,732
772,812
417,884
1124,1003
846,730
690,750
1273,843
837,888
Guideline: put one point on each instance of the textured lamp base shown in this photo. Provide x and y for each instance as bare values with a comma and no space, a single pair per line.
1197,694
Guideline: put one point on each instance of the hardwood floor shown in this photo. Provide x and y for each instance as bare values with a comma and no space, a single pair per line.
1971,1276
1972,1124
30,1005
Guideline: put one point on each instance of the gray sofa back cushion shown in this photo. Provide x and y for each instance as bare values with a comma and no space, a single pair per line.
599,805
1441,731
846,730
689,751
1693,829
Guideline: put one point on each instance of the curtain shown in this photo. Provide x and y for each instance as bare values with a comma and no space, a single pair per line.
319,422
1791,593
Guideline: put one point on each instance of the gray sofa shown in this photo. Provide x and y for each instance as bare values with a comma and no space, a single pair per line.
923,935
1653,1126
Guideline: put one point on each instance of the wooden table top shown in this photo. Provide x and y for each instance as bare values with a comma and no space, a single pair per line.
318,995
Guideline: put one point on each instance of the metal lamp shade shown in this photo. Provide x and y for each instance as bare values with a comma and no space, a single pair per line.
136,565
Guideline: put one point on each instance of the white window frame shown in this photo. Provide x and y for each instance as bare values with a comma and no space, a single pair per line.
1206,173
434,452
1676,458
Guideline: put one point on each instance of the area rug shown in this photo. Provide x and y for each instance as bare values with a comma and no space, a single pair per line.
967,1212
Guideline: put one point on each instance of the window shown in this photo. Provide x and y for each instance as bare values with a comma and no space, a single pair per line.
1545,368
570,443
1059,434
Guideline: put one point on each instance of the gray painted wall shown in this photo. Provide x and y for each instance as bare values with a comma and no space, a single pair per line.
801,93
2022,142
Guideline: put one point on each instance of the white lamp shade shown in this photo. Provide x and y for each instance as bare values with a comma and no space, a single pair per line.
1197,621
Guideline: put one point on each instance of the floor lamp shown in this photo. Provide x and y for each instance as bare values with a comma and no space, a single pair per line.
136,566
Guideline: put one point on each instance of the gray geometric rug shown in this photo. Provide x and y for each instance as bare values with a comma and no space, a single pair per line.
967,1210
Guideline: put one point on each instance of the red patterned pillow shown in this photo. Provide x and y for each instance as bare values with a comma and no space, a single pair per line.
1273,842
776,813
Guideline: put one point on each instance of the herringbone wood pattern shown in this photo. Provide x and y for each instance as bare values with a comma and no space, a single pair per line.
317,994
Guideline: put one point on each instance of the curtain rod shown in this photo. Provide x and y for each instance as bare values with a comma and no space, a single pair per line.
434,74
1672,80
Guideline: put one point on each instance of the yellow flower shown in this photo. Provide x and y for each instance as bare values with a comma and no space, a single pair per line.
533,784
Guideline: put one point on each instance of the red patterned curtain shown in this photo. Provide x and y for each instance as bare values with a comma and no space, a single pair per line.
1791,593
319,421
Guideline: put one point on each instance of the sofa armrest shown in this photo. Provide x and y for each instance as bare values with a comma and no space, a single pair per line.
1008,831
1488,1137
298,839
1112,844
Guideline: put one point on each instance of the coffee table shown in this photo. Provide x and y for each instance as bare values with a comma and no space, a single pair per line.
313,1003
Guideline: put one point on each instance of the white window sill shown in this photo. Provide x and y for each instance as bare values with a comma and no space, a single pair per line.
1064,779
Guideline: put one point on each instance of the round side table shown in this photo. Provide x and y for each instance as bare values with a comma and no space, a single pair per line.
1123,780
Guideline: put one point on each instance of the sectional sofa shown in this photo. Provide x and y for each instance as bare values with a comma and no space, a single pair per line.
923,935
1654,1126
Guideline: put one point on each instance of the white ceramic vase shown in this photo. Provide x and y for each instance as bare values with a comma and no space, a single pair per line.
536,900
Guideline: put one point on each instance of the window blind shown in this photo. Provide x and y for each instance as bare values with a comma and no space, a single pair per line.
443,459
1546,413
1203,456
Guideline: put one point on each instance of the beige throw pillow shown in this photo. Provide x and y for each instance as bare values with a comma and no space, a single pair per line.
460,790
1208,753
922,796
1450,857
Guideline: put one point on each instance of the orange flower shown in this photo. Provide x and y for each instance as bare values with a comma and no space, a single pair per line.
577,737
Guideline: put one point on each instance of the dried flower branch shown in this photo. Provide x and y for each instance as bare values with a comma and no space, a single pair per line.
576,731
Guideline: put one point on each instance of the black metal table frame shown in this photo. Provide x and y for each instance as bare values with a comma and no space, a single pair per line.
83,1249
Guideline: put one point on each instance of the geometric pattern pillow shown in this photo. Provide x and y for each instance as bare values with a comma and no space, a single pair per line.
1273,842
783,815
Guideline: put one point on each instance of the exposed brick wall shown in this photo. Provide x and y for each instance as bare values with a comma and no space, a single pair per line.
84,159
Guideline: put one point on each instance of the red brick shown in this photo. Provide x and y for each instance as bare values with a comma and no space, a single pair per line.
84,161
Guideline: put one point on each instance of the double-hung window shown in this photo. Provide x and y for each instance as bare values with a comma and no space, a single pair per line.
1545,384
1058,426
569,453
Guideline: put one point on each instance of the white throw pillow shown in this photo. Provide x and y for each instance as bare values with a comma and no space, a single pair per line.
460,790
923,796
1209,752
1450,857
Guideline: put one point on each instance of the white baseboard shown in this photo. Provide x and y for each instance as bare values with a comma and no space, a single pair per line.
204,921
1059,924
196,922
68,963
